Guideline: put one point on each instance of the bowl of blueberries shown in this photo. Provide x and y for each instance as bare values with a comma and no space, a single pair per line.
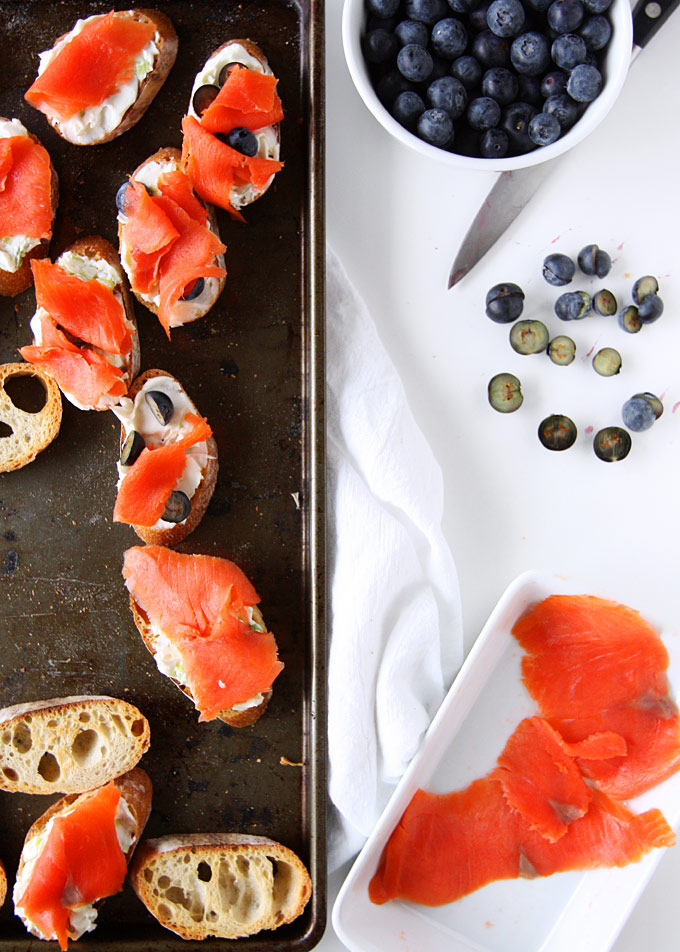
494,85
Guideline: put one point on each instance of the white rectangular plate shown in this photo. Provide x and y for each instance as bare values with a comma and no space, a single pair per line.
563,912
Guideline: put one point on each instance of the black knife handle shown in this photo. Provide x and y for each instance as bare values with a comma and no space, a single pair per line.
648,16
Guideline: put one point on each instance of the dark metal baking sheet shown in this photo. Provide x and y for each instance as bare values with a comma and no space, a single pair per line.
254,367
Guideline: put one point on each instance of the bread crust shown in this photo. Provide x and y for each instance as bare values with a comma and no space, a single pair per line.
46,746
135,788
167,54
204,490
233,718
171,154
31,432
158,858
14,282
3,884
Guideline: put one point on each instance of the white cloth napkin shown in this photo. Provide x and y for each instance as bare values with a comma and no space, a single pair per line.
395,622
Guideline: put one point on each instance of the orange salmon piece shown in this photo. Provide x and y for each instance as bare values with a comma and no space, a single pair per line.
81,862
88,310
25,188
90,67
198,601
147,485
176,186
247,98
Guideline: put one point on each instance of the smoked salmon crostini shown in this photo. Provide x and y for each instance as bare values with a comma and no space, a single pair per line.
168,462
99,79
77,854
231,146
84,330
29,194
169,242
198,615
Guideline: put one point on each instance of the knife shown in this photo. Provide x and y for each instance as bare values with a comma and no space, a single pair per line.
513,190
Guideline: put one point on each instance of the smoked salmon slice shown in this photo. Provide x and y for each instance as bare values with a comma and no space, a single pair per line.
168,241
91,66
25,188
147,485
81,862
595,665
448,845
214,167
248,98
200,604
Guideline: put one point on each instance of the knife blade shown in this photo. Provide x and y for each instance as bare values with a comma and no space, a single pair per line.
513,190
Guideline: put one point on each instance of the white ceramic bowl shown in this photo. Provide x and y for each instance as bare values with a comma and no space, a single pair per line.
617,61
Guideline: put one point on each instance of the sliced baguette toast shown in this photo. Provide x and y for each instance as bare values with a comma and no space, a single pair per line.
135,800
96,251
14,282
244,52
173,534
30,432
3,884
186,311
69,744
227,885
167,44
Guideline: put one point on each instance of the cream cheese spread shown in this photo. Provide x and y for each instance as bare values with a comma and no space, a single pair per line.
13,248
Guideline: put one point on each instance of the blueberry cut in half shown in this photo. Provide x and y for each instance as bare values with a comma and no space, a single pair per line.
177,508
557,432
160,405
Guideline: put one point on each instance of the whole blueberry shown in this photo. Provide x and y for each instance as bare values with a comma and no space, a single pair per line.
501,84
449,94
449,38
436,127
389,86
414,63
530,53
491,50
380,46
412,31
483,113
544,129
585,83
638,414
460,6
494,144
468,70
563,107
407,109
505,17
593,261
515,122
558,269
504,302
477,16
596,31
650,308
565,16
428,11
554,83
573,305
568,50
382,8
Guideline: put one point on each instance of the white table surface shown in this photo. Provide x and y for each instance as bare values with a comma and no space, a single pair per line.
396,220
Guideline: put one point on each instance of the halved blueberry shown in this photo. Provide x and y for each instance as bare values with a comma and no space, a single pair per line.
177,508
132,447
203,97
160,405
195,290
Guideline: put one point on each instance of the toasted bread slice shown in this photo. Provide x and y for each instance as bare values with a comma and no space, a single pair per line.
3,884
30,432
243,52
112,118
227,885
92,258
167,533
185,311
69,744
132,814
14,282
242,718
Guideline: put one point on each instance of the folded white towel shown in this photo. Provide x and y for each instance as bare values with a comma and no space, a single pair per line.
395,624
